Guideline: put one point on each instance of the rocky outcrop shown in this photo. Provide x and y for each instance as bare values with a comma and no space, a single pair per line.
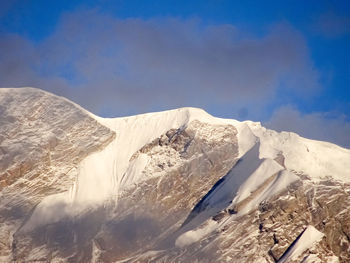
265,234
42,139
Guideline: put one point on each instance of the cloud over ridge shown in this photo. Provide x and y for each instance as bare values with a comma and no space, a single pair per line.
103,62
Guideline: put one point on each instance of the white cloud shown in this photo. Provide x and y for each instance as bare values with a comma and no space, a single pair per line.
107,63
319,126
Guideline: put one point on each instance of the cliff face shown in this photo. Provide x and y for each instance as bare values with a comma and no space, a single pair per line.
268,233
43,138
175,186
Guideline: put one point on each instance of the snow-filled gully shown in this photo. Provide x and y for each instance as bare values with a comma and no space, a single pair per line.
101,175
307,238
237,186
225,190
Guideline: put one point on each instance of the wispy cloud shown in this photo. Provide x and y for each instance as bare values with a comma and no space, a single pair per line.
330,127
103,62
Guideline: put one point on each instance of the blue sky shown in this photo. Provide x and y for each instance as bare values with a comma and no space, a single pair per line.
285,63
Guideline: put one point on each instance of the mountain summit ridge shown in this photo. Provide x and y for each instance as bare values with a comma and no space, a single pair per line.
121,188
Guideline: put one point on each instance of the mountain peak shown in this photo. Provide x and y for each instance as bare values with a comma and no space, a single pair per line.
77,186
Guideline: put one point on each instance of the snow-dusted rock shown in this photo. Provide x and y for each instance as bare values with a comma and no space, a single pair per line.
173,186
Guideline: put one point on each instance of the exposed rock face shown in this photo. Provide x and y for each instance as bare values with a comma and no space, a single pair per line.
39,129
205,189
42,139
265,234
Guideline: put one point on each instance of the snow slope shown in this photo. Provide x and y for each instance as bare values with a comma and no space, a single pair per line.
307,239
104,174
315,158
101,174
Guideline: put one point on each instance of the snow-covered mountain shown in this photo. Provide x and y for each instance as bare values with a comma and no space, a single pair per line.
173,186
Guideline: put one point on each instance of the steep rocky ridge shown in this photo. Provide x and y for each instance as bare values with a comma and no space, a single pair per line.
42,140
266,233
